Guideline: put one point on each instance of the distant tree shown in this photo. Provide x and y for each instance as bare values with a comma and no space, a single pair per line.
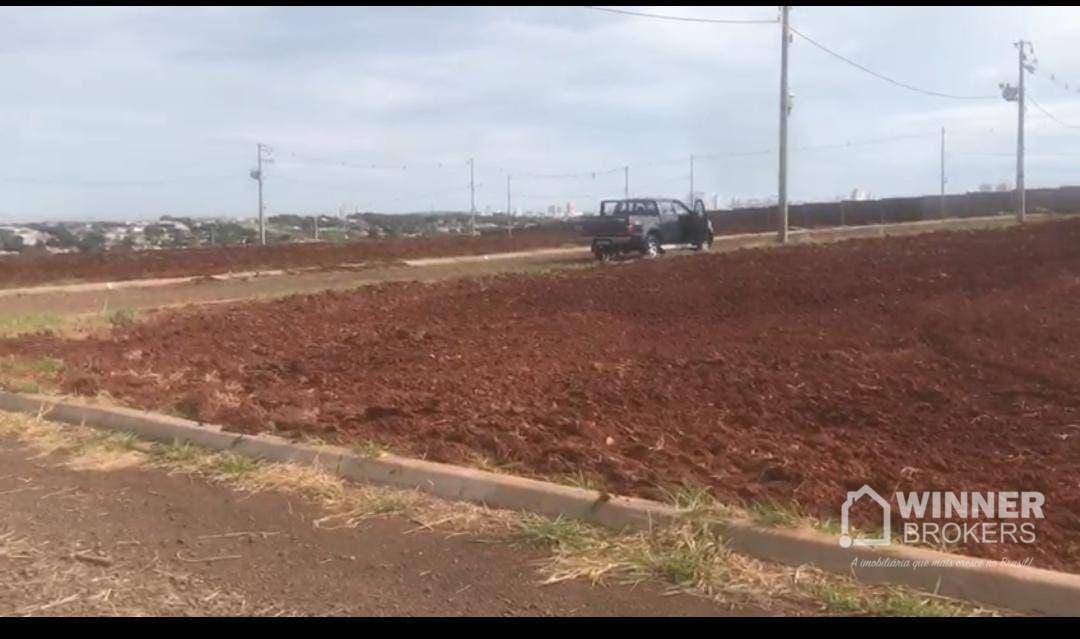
59,236
156,233
92,242
232,233
9,241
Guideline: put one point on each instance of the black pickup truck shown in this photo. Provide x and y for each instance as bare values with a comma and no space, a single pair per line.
645,225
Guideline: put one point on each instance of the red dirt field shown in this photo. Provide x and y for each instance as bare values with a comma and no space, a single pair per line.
945,361
30,269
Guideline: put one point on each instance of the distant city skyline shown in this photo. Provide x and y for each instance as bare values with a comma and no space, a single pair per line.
136,112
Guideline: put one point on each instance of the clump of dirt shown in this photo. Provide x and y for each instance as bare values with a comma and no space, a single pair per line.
939,362
80,384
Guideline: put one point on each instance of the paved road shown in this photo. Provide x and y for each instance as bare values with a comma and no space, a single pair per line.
143,542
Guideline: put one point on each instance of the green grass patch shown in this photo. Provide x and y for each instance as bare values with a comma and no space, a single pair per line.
178,453
841,598
230,465
693,558
581,479
30,375
770,512
121,318
695,499
558,532
368,449
12,325
838,598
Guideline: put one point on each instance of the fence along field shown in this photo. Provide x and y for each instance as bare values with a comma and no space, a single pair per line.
1064,199
791,375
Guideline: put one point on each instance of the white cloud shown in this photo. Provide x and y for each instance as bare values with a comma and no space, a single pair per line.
136,94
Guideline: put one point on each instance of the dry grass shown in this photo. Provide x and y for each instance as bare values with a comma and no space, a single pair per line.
690,558
28,375
693,558
38,580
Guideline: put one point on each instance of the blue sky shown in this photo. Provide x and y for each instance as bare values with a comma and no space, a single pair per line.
118,112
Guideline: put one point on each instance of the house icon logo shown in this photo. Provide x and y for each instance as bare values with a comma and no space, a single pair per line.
846,540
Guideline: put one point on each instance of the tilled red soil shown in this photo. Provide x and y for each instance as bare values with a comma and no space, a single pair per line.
944,361
29,269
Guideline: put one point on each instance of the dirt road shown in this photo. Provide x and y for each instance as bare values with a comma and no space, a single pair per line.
207,290
36,268
145,542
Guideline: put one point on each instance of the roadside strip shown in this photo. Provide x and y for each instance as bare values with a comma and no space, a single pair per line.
1015,587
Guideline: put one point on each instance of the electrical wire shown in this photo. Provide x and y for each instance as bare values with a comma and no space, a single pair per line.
1054,80
1050,115
115,183
1012,154
870,141
657,16
560,176
304,158
885,77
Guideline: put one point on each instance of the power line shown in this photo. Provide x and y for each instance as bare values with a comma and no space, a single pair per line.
404,166
1051,115
1012,154
887,78
1060,83
870,141
733,154
657,16
736,154
817,147
115,183
579,174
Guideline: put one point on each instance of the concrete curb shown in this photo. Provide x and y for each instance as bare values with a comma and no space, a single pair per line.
1019,588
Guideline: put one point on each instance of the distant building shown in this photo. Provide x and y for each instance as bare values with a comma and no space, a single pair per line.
14,238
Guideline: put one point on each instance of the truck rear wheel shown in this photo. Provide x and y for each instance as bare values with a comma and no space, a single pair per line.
652,246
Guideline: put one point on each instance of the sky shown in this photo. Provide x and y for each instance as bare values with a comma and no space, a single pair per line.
137,112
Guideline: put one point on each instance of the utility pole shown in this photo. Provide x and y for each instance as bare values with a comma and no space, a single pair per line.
509,220
1016,94
257,175
626,182
316,227
785,107
1021,196
472,199
691,181
942,206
